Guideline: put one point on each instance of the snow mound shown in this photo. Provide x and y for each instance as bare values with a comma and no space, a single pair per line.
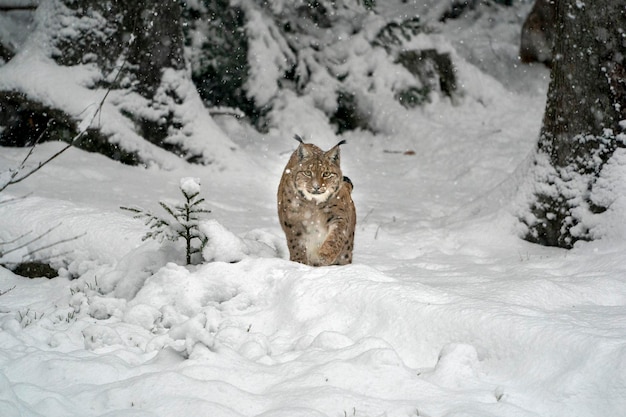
224,246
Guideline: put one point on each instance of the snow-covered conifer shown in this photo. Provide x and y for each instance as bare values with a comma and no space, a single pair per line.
185,223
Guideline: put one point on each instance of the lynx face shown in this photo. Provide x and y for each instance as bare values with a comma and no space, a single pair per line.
317,175
315,207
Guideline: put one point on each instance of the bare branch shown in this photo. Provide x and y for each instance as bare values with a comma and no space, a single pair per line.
14,240
40,165
23,245
22,164
11,200
55,243
2,292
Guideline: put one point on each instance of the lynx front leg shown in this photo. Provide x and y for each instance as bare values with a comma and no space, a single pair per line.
298,255
297,251
334,249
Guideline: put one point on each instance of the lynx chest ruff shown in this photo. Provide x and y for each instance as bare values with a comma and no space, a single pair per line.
315,207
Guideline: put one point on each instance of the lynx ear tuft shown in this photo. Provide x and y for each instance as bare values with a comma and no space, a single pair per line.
303,151
333,153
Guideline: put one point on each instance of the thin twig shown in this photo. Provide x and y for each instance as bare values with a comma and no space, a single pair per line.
14,240
11,200
367,215
22,164
58,242
41,164
2,292
23,245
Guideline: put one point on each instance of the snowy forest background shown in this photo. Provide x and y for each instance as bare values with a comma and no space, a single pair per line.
347,64
448,309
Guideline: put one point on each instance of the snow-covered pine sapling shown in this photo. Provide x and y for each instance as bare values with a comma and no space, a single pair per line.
186,218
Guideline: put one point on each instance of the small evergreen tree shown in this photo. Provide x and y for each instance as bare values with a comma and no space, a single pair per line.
186,215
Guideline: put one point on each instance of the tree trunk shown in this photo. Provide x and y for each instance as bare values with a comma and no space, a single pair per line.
581,127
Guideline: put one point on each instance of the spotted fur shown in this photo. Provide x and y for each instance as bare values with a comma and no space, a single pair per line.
315,207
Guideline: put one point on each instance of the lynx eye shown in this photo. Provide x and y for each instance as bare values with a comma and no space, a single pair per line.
307,174
328,174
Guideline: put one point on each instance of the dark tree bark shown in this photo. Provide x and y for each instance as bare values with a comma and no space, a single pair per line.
581,126
537,40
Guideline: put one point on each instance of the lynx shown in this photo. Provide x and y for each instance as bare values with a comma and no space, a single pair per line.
315,207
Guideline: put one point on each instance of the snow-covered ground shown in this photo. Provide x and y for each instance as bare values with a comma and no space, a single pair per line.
444,312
